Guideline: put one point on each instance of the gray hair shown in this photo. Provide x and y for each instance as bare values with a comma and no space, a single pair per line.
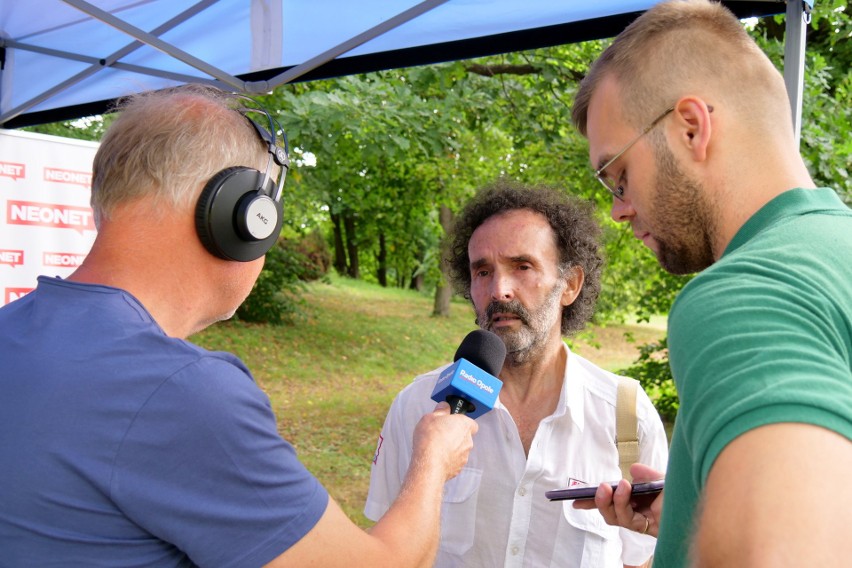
167,144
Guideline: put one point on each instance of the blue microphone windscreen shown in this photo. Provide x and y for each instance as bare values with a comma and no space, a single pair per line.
484,349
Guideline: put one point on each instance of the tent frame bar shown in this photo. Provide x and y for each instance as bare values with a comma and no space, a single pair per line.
99,64
323,58
796,23
220,78
102,62
151,39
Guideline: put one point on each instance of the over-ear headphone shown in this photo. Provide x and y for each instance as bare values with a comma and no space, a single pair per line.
239,215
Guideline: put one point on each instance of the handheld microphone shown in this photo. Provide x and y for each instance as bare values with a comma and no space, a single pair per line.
470,384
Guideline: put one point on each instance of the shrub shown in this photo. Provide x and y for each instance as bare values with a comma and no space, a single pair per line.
311,255
652,371
276,296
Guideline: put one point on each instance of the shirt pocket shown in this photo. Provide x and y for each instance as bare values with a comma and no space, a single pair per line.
601,542
458,511
588,521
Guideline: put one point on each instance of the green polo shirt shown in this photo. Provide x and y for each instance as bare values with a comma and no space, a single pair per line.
762,336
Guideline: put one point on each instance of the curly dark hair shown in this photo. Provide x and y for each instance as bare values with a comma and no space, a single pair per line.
572,220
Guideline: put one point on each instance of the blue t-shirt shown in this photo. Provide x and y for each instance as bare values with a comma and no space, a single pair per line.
121,446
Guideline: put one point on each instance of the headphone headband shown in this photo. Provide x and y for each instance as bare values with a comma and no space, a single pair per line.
239,213
268,136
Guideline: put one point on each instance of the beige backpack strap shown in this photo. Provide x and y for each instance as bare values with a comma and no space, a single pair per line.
626,425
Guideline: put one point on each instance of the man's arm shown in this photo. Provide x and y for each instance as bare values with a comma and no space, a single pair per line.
778,496
408,534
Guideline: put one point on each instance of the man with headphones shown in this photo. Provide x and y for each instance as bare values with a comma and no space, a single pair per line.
122,444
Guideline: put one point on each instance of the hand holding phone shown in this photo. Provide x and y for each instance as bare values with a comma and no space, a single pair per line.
588,492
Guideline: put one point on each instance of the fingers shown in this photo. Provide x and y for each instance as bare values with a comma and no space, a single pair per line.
625,516
604,500
620,509
630,515
445,440
443,409
585,504
642,473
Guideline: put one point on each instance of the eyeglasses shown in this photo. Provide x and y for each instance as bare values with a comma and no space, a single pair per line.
618,190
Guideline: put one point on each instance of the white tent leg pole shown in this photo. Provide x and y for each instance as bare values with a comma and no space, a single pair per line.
794,59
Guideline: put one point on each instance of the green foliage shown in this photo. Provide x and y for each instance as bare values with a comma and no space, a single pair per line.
634,284
276,296
826,142
90,128
310,256
652,371
395,146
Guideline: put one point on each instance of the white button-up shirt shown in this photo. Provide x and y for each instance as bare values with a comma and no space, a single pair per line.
494,512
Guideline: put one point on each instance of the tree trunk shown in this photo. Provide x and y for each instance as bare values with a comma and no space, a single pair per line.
339,250
443,292
382,261
351,244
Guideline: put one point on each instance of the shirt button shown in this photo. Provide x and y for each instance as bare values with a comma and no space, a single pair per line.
522,491
514,551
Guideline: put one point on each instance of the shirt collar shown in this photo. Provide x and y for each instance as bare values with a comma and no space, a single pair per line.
788,204
572,396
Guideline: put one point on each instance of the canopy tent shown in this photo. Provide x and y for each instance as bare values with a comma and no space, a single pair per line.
63,59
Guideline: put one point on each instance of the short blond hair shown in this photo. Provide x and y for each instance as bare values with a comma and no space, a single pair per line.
684,47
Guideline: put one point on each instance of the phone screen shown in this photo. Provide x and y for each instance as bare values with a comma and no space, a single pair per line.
588,492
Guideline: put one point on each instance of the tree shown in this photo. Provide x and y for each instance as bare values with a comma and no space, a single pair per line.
87,128
399,152
826,143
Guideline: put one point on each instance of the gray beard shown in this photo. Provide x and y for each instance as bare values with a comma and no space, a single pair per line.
529,341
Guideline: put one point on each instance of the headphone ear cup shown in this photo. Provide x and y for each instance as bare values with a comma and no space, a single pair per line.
217,210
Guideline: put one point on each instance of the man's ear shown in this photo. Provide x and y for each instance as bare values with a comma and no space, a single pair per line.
693,126
574,278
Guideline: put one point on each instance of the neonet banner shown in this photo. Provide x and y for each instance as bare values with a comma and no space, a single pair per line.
47,226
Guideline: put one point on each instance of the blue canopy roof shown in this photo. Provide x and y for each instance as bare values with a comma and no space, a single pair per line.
62,59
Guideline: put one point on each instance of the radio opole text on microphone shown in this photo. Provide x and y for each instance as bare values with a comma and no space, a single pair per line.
478,382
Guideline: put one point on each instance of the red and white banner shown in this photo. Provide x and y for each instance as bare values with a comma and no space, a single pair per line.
46,224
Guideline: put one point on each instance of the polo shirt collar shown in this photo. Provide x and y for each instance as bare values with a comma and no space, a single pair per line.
788,204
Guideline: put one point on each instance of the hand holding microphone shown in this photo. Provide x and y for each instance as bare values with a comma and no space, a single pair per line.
442,442
470,387
470,384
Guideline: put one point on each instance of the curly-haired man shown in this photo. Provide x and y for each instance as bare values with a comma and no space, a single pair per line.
529,260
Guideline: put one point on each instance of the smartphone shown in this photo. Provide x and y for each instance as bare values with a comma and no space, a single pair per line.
588,492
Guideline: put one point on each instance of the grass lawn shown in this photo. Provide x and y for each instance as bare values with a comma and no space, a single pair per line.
332,376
